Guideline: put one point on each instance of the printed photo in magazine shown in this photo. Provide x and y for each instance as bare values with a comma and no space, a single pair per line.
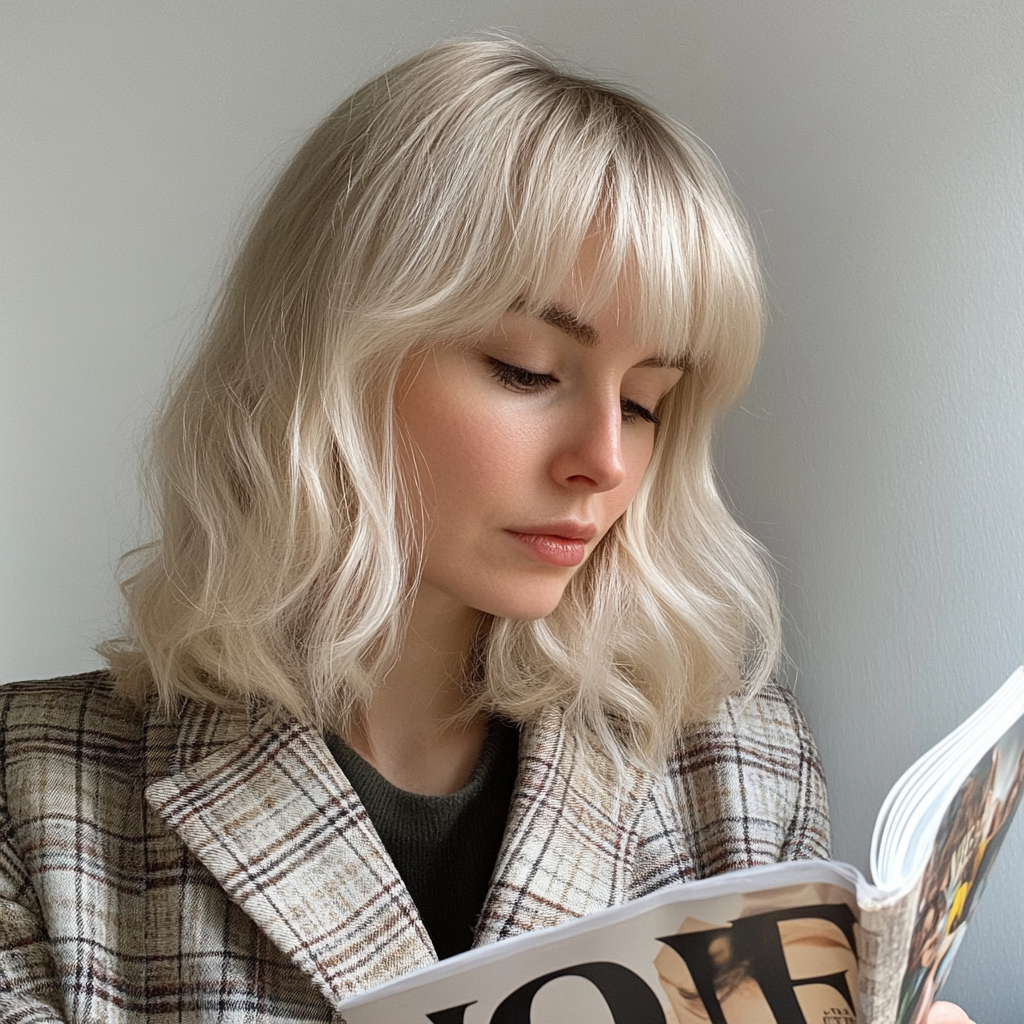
784,954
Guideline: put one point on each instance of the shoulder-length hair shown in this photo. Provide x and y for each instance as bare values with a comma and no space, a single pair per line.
452,188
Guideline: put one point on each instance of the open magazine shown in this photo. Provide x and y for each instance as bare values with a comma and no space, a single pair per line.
809,942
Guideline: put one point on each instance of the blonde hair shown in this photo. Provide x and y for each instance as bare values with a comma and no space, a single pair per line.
444,192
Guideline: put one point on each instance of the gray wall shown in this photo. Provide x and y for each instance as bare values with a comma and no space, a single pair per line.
878,149
880,453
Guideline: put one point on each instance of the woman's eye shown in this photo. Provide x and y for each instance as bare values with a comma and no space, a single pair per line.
633,411
516,378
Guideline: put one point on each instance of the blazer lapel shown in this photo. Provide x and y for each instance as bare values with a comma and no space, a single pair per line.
275,821
571,837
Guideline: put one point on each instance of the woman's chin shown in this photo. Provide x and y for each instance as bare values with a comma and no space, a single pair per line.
524,607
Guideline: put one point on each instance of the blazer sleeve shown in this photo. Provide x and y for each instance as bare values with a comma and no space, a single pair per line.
29,991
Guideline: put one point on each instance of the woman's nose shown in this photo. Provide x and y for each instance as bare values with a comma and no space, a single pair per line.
590,451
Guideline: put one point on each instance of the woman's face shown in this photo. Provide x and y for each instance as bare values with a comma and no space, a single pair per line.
526,446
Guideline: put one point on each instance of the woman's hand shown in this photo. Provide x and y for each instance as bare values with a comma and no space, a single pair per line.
947,1013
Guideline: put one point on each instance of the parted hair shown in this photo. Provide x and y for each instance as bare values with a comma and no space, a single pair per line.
450,189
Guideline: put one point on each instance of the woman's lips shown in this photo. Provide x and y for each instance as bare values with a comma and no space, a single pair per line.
553,548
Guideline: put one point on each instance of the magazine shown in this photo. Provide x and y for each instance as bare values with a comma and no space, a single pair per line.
809,942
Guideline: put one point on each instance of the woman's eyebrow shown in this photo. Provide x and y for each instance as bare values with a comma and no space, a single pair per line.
567,321
564,320
587,335
683,362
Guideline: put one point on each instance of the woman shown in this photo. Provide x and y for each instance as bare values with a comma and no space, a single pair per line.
447,635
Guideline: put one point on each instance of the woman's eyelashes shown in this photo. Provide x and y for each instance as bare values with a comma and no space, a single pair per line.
518,378
633,411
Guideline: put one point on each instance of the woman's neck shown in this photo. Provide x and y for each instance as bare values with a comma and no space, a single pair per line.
411,732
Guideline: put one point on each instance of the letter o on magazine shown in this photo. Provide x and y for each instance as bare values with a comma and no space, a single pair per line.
627,996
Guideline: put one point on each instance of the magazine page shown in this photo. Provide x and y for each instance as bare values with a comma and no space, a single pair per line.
773,945
966,845
905,830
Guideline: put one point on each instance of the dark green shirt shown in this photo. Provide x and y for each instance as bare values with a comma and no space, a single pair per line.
444,847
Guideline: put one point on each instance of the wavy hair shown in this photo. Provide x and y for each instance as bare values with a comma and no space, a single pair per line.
443,193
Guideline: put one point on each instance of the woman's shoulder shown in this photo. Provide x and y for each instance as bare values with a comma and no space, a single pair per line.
68,716
750,784
79,727
764,724
52,700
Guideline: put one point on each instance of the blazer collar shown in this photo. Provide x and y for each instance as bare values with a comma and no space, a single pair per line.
571,837
276,822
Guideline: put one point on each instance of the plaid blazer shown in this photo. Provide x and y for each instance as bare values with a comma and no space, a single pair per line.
220,867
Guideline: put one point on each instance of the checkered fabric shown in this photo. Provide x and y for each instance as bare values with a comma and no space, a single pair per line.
220,867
